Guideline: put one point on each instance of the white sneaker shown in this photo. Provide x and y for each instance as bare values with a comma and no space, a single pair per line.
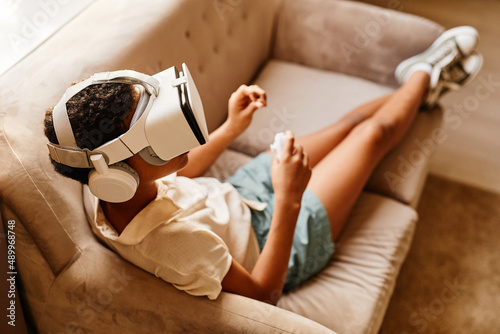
451,48
453,45
453,78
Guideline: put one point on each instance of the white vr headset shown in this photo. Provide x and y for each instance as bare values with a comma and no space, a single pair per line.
169,120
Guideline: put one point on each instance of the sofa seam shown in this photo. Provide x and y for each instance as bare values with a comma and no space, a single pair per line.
254,320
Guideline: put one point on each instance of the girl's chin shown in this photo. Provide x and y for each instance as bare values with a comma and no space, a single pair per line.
183,159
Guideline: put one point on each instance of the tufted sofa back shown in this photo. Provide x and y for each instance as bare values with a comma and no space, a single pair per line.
223,42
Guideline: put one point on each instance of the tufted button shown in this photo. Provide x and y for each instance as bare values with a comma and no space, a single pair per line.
187,34
244,16
229,32
200,68
216,49
204,16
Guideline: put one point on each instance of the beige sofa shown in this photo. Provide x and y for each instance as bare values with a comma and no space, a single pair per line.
316,59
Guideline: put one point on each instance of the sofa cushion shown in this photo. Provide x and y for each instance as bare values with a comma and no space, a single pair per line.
305,99
227,164
352,293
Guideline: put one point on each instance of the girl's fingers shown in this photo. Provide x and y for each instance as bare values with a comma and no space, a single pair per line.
289,144
305,160
299,151
257,94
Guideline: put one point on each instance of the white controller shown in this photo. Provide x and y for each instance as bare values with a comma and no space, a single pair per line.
279,144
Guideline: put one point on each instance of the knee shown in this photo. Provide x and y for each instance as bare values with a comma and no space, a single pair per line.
377,132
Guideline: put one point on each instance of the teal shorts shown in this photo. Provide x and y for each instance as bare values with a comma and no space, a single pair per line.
312,242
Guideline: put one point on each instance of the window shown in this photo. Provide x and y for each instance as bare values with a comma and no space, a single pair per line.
24,25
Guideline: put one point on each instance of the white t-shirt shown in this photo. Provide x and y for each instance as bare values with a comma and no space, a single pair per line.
187,236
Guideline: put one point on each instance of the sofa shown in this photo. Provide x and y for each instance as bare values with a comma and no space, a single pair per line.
316,59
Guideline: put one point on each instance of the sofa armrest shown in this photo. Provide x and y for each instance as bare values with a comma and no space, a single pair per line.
350,37
109,295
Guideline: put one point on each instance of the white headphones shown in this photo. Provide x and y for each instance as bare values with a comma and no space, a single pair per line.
116,184
168,121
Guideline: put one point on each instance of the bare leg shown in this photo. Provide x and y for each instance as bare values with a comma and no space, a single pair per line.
318,144
340,176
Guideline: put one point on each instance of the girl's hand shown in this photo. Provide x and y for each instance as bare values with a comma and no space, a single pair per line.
290,175
242,104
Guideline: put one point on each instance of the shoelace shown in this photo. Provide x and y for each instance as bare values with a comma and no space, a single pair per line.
444,50
454,76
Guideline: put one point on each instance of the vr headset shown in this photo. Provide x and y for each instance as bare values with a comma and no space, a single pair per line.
169,120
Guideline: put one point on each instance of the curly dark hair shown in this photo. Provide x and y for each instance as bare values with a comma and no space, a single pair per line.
97,116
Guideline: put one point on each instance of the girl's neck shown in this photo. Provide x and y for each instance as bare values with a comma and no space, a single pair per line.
121,214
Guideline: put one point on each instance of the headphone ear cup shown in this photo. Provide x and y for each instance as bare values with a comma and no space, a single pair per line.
147,154
118,185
